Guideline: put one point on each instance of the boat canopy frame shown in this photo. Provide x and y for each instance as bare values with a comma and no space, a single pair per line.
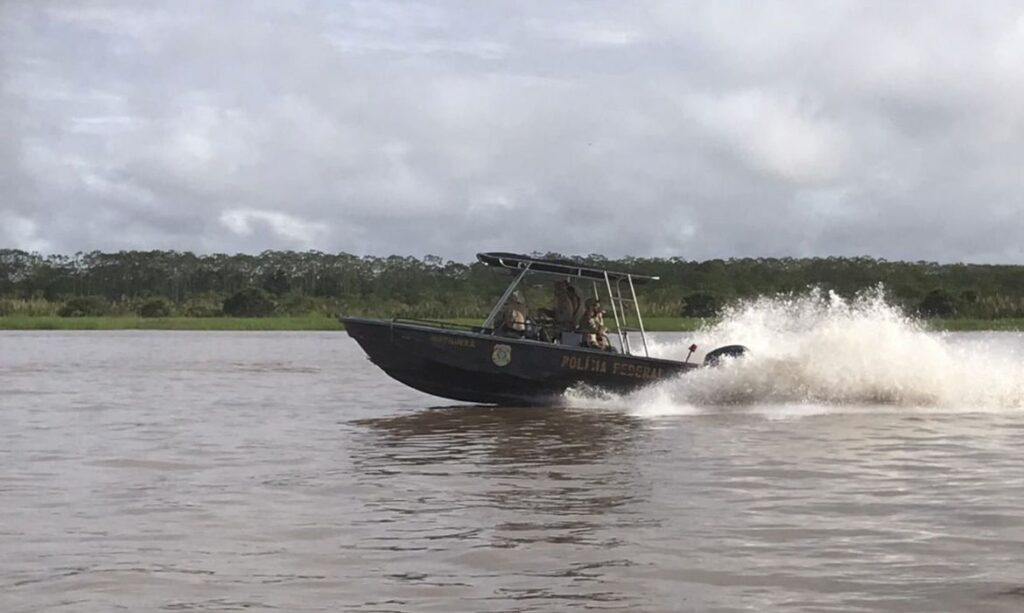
613,282
515,261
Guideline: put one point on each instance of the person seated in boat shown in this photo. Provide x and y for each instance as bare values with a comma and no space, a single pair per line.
513,321
592,326
564,315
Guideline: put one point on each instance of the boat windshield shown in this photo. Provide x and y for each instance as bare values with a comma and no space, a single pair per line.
574,318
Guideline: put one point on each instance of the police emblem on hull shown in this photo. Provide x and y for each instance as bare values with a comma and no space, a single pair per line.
501,355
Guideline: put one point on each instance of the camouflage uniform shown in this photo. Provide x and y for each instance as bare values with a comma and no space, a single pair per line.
514,318
592,326
565,307
576,304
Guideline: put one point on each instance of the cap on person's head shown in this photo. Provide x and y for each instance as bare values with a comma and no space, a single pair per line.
591,302
517,297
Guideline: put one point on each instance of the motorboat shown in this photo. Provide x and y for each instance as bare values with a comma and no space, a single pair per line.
536,359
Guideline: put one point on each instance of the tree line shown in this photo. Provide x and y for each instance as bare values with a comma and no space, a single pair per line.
162,283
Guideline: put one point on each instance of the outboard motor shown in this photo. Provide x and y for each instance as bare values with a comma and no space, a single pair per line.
714,358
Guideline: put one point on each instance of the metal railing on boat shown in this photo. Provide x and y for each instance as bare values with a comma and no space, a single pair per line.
446,325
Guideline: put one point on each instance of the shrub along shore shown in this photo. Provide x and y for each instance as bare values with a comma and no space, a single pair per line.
277,290
323,323
160,284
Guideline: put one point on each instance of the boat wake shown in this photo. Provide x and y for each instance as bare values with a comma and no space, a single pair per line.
819,350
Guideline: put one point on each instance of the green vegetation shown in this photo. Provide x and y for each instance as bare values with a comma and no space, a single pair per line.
22,322
155,307
249,302
313,323
973,325
290,290
84,306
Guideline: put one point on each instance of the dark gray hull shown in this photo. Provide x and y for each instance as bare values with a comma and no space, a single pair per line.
472,366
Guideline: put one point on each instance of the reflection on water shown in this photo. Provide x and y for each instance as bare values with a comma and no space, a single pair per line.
504,435
488,480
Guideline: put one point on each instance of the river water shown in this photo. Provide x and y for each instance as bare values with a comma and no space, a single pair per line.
184,471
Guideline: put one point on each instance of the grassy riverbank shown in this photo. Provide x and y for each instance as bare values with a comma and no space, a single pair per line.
242,323
653,324
976,325
168,323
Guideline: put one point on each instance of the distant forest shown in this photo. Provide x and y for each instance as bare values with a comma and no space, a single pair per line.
172,283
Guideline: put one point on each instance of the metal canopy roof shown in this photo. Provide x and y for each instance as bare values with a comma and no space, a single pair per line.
516,261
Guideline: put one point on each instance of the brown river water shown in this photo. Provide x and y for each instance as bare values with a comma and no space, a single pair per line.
221,471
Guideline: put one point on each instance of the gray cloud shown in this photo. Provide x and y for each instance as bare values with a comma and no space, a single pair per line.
698,129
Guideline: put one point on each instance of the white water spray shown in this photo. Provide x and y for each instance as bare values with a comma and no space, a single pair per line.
820,349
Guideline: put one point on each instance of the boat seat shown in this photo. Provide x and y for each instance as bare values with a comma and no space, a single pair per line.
573,339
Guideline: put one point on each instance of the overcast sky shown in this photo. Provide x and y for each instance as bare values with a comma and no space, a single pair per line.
692,129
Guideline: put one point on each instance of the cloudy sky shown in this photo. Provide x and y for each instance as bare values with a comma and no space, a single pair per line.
692,129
